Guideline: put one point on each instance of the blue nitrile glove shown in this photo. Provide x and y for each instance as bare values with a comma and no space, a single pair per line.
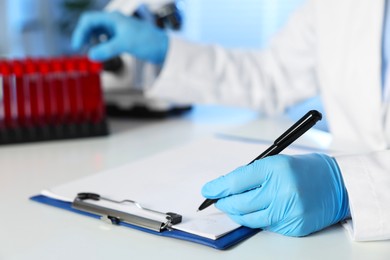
125,34
291,195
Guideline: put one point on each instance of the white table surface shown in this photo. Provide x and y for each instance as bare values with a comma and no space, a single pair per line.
29,230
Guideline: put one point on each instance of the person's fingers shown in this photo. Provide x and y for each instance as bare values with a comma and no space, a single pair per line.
248,202
105,50
240,180
257,219
87,25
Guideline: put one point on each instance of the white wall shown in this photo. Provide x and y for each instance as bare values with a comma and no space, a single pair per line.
29,26
232,23
3,28
33,27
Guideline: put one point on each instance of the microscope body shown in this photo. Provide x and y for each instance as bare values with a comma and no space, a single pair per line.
125,78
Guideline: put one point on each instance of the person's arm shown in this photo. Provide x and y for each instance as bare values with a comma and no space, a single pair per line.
269,80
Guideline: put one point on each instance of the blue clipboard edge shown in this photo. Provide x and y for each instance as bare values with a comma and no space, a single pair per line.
225,242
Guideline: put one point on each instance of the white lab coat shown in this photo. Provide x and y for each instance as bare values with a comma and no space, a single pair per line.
332,48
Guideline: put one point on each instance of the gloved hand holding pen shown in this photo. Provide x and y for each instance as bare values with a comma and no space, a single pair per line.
291,195
125,35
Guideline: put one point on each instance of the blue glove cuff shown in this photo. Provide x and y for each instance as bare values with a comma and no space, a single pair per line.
344,211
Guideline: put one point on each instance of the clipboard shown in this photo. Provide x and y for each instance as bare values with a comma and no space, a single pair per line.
225,242
166,182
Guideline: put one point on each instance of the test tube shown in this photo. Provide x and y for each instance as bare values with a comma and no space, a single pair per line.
2,97
61,95
23,106
96,92
6,97
14,132
49,104
34,80
85,86
74,89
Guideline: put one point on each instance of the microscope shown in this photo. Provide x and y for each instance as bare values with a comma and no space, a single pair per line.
124,77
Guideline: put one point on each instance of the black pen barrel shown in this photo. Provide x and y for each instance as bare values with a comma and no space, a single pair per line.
297,129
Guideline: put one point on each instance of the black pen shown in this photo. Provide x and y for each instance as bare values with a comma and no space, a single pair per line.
292,134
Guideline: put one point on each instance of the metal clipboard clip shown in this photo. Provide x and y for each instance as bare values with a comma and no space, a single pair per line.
84,202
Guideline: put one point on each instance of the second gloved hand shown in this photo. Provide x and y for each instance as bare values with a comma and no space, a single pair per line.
125,34
290,195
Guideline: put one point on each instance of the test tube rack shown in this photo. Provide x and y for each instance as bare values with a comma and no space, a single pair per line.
50,98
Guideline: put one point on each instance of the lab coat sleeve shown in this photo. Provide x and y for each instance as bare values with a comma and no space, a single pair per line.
367,179
267,80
